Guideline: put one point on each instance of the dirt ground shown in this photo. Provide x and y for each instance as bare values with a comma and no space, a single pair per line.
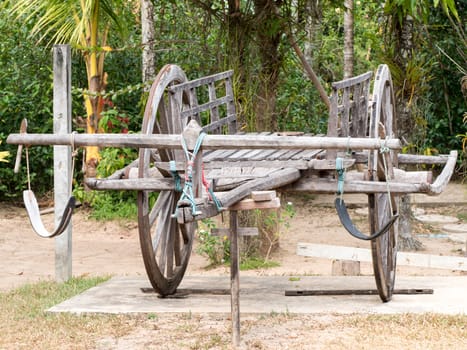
101,248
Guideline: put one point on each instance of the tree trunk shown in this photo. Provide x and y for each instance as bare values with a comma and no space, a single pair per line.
313,13
405,126
404,51
148,38
348,39
97,82
406,240
268,34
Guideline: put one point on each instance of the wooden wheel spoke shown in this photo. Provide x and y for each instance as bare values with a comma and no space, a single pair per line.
160,203
185,234
160,212
170,246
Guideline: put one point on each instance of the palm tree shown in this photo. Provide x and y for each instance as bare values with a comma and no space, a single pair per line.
85,24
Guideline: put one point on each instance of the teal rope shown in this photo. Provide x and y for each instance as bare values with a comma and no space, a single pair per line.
176,176
187,190
385,149
340,176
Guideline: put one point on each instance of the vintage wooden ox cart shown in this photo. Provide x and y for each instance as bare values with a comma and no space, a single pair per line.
192,154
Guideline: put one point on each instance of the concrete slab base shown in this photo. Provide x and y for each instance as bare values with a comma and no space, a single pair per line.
266,294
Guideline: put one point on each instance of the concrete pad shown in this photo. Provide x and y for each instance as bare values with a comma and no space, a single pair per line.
261,294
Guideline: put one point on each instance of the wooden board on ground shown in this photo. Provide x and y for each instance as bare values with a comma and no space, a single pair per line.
361,254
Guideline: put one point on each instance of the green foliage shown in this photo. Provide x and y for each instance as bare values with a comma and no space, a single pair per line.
4,155
215,249
108,205
198,41
25,92
444,114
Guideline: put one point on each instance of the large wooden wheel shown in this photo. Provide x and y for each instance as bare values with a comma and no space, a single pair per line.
382,206
165,244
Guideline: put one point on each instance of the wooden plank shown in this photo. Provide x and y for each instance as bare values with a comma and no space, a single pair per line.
214,109
330,186
330,164
362,157
361,254
275,156
306,154
217,125
276,164
352,81
262,155
241,154
290,154
232,126
251,204
421,159
317,292
247,156
219,154
259,196
443,179
146,184
241,231
201,81
274,180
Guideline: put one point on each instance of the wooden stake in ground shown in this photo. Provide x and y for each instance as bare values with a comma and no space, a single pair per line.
62,157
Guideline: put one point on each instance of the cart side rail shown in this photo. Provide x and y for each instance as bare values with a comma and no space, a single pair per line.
210,101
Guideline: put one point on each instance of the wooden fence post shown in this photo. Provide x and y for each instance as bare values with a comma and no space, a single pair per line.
62,157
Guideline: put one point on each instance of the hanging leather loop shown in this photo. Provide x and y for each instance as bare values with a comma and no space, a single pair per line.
32,208
350,227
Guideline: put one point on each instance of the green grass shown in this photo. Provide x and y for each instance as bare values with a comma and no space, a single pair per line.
33,299
257,263
27,325
462,216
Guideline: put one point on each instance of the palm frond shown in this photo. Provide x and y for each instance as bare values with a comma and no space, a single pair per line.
65,21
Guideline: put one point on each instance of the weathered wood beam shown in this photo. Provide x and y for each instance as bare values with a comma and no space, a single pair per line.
146,184
168,141
275,180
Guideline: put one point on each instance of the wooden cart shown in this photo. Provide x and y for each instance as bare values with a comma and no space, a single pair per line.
192,155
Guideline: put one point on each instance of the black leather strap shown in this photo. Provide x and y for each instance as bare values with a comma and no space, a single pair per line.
350,227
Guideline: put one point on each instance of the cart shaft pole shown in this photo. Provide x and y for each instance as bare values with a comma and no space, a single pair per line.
210,141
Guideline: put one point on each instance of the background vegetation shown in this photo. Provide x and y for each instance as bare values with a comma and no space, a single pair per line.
195,37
